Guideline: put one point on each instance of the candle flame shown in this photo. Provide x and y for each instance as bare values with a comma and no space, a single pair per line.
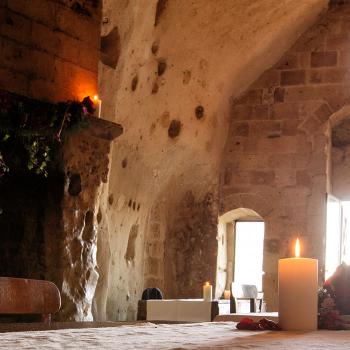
297,248
95,98
207,283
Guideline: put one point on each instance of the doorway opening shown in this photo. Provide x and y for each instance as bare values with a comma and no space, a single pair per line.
240,250
338,203
337,234
248,253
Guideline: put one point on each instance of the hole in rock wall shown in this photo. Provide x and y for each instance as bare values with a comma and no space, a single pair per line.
199,111
110,48
155,88
134,83
99,216
124,162
155,47
74,187
162,65
130,250
161,5
174,128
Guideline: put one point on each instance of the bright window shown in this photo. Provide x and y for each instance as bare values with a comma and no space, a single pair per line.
338,234
333,235
249,247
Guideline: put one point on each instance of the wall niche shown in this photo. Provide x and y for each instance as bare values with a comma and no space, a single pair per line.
27,205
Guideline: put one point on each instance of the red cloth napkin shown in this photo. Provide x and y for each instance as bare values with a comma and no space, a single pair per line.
262,325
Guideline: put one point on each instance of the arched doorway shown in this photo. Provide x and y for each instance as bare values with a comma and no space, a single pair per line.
240,249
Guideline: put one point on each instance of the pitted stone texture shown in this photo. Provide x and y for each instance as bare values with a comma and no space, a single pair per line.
213,50
191,246
89,157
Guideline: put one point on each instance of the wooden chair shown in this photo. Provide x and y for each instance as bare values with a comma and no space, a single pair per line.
245,292
27,296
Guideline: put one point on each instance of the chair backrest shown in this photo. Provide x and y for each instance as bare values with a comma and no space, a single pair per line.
27,296
244,291
152,293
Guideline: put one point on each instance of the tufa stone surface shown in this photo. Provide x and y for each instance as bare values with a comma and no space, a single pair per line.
177,226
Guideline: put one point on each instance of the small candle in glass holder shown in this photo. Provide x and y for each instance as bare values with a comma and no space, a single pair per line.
207,291
227,294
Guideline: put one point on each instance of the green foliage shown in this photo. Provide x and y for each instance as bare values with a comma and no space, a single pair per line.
38,157
31,130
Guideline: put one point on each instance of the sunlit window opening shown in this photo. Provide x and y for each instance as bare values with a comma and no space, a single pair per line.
333,236
249,245
338,234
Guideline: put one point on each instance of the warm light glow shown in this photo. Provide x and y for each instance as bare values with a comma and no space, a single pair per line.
207,284
297,248
95,98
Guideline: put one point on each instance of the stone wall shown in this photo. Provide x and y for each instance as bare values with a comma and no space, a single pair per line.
167,79
168,69
50,48
277,153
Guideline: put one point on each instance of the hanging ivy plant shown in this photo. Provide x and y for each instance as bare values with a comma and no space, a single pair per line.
31,130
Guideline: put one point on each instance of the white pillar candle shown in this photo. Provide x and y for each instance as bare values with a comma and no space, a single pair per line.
98,106
297,292
227,294
207,292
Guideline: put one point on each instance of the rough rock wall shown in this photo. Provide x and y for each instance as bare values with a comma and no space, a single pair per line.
278,150
50,48
168,69
191,246
85,162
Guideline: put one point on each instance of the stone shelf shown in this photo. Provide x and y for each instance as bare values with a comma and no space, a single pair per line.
104,129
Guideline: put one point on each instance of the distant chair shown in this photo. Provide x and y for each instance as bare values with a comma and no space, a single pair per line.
245,292
148,294
152,293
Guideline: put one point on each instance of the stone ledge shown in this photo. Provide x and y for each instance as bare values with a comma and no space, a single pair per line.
103,129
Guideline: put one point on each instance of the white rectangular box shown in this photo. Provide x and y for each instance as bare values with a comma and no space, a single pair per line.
181,310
